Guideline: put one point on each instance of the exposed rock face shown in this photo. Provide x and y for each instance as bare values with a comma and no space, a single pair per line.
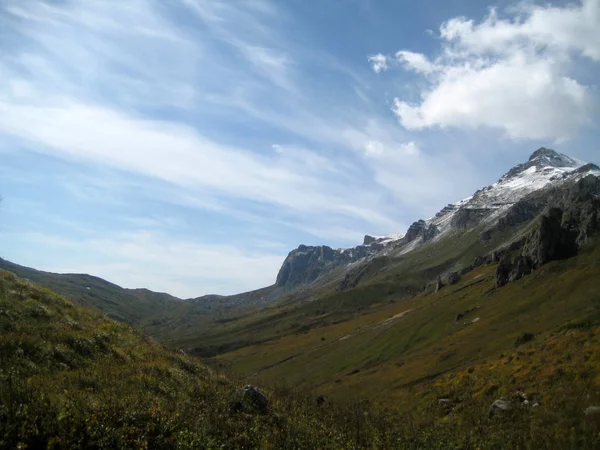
550,240
478,261
420,229
307,263
468,217
465,270
415,230
571,219
520,212
503,271
352,278
451,278
521,267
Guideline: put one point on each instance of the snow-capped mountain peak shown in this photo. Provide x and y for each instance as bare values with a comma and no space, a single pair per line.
544,158
544,167
547,157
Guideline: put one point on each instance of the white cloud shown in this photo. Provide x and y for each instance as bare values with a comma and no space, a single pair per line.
512,74
378,62
178,155
415,61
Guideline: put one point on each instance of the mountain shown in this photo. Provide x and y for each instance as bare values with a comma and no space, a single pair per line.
349,302
545,169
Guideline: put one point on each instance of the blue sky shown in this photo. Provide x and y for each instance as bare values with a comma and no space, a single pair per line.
188,145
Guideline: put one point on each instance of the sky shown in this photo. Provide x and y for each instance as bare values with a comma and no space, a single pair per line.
187,146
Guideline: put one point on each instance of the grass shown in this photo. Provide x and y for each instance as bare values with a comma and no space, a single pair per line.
390,353
70,377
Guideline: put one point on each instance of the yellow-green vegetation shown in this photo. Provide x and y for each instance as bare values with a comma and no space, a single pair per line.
389,345
72,378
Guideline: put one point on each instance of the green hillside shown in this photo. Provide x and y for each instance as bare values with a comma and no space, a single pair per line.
388,346
131,306
72,378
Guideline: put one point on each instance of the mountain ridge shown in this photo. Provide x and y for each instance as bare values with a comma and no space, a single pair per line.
545,167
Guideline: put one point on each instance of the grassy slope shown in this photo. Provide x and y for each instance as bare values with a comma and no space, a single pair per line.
209,333
72,378
373,354
131,306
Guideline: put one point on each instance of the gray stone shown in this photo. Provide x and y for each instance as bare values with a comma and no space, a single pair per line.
499,406
521,267
502,271
592,410
465,270
254,400
478,261
451,278
466,218
485,236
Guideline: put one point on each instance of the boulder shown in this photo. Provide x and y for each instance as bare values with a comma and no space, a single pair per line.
451,278
499,406
485,236
254,400
592,411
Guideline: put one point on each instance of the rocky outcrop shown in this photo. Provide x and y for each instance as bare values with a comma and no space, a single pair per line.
520,212
306,264
522,266
550,240
568,208
415,230
503,271
368,240
570,220
372,267
451,278
420,229
466,218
